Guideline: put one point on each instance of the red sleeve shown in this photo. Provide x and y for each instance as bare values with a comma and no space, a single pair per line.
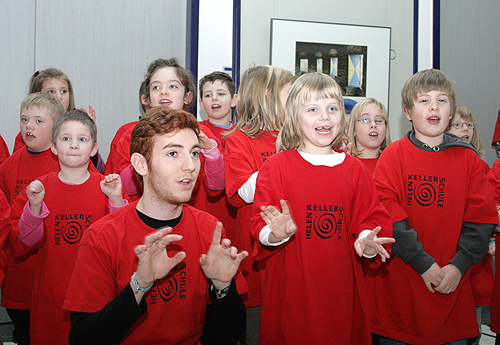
390,186
494,179
4,150
114,158
5,227
18,143
238,167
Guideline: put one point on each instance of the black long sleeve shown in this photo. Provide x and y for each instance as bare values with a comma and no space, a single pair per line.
110,324
225,319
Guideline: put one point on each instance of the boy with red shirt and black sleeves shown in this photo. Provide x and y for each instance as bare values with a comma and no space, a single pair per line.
435,188
171,298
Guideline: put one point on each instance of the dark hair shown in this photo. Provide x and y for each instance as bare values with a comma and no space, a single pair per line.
223,77
185,77
41,76
78,116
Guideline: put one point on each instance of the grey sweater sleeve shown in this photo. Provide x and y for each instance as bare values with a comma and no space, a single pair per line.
472,245
408,248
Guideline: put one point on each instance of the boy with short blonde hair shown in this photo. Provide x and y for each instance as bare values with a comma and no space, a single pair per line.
38,113
434,186
54,212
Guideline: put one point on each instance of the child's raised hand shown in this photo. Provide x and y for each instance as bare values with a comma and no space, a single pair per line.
370,245
433,276
452,276
205,142
111,186
90,113
281,223
35,193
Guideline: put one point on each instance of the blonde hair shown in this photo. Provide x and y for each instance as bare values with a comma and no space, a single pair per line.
259,105
426,81
44,101
308,87
464,112
356,115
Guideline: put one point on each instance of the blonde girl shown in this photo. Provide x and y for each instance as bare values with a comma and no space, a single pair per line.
261,99
316,213
369,131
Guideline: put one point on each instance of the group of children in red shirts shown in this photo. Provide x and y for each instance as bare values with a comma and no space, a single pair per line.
320,225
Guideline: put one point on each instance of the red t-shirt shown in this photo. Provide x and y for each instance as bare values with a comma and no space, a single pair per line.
106,261
494,179
314,289
4,150
437,192
482,277
5,225
16,173
113,157
369,163
242,157
73,208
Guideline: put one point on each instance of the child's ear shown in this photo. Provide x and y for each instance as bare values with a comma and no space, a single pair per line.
145,100
94,150
234,101
53,148
201,105
407,113
139,163
188,97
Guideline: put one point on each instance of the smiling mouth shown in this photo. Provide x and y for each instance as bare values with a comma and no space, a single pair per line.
165,102
373,134
323,130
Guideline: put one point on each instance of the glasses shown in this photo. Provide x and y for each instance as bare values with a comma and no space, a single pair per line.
366,121
459,125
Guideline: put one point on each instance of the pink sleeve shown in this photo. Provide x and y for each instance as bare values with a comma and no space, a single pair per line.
31,226
129,180
214,168
113,208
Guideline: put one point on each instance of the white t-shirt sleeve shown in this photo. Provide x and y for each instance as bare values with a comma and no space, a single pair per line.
247,190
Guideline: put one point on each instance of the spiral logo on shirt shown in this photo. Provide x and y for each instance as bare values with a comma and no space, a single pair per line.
72,232
425,194
167,288
325,225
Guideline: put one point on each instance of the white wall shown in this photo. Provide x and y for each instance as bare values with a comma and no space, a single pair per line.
470,55
103,46
215,40
397,14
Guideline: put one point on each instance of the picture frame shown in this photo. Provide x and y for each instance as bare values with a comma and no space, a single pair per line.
356,56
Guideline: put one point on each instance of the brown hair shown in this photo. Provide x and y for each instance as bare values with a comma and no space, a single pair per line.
78,116
41,76
426,81
159,120
183,74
